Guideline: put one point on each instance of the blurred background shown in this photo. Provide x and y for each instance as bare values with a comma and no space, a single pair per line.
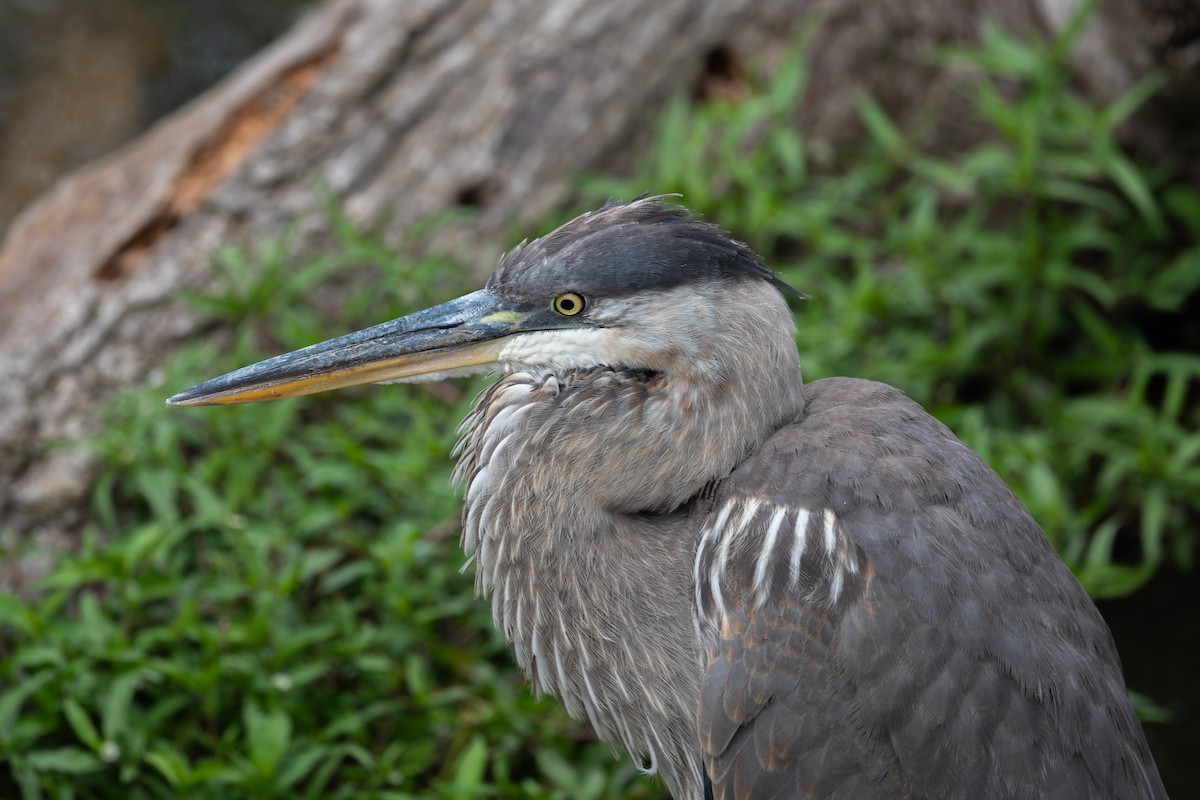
266,602
78,78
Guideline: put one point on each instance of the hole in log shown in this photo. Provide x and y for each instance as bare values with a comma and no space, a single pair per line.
473,195
724,77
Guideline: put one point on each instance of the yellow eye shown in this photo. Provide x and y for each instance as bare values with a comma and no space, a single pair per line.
569,304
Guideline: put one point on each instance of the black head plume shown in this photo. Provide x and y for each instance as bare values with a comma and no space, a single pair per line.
624,248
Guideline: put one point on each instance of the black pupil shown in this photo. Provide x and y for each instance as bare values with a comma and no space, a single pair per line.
566,304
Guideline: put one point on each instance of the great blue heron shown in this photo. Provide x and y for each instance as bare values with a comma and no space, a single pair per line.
762,589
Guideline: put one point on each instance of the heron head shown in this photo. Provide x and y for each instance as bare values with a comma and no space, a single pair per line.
644,285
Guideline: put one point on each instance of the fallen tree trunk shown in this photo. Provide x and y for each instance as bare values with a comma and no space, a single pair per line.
400,109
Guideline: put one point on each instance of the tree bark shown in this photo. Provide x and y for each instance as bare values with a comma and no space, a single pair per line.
401,110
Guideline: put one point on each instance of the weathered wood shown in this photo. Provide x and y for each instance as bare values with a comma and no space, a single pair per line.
401,109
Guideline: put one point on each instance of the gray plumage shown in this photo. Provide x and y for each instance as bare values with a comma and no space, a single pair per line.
758,588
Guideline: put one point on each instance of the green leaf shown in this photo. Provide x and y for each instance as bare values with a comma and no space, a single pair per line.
27,779
81,723
1131,182
1149,711
1082,193
268,734
69,760
1153,523
345,575
882,130
1005,54
468,773
557,768
1124,106
170,764
159,488
15,614
117,705
298,767
1172,283
12,700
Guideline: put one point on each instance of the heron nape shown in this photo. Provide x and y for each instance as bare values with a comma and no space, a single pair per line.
760,588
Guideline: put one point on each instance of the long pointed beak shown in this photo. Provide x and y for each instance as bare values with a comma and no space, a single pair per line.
455,338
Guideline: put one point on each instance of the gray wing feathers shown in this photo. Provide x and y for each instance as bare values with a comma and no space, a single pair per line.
956,656
791,731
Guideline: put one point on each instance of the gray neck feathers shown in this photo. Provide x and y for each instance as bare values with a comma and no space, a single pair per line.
578,513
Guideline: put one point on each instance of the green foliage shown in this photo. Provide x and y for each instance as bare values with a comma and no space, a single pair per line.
268,603
1033,292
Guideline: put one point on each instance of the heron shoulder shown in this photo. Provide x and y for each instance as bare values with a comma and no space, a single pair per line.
787,520
890,489
902,571
862,445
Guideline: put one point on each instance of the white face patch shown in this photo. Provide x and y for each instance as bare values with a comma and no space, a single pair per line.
541,350
567,349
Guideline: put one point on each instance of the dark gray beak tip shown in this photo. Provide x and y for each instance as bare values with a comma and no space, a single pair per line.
188,397
179,399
